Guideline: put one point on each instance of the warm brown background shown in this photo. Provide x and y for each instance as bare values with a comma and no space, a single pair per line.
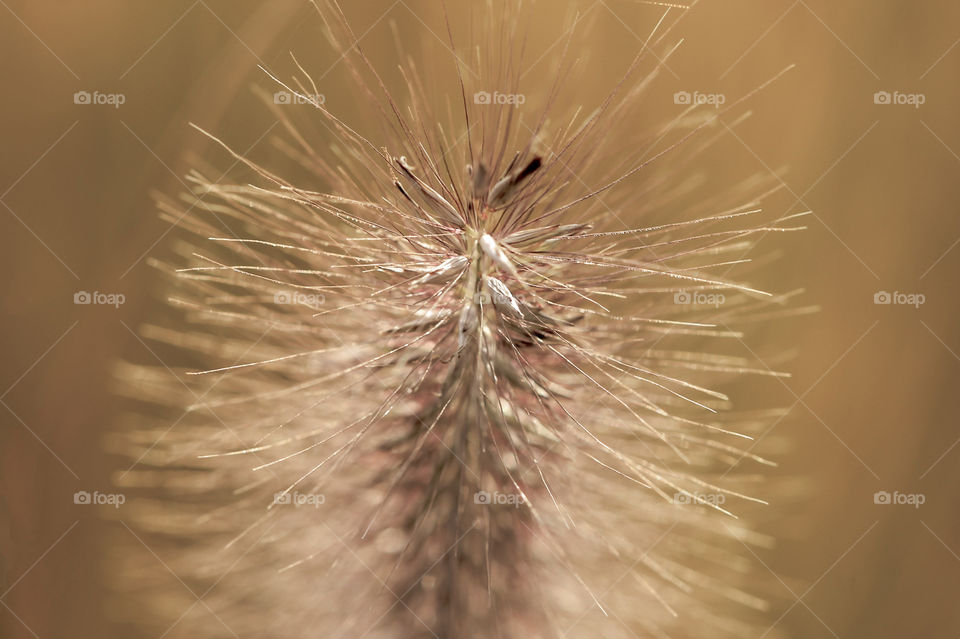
874,388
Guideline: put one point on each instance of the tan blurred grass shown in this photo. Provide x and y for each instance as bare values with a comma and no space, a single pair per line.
871,391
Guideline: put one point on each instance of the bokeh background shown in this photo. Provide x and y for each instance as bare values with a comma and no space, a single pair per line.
873,393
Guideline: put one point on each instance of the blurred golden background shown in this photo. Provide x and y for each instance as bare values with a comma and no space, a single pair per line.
870,395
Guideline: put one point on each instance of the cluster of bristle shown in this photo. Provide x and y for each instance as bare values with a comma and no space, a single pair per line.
454,394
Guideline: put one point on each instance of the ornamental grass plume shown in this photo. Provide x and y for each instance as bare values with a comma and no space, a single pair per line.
453,373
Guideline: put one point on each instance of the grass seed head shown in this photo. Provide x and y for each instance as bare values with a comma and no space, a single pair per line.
456,390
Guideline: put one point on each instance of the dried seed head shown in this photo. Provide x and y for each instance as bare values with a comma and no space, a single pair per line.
458,402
